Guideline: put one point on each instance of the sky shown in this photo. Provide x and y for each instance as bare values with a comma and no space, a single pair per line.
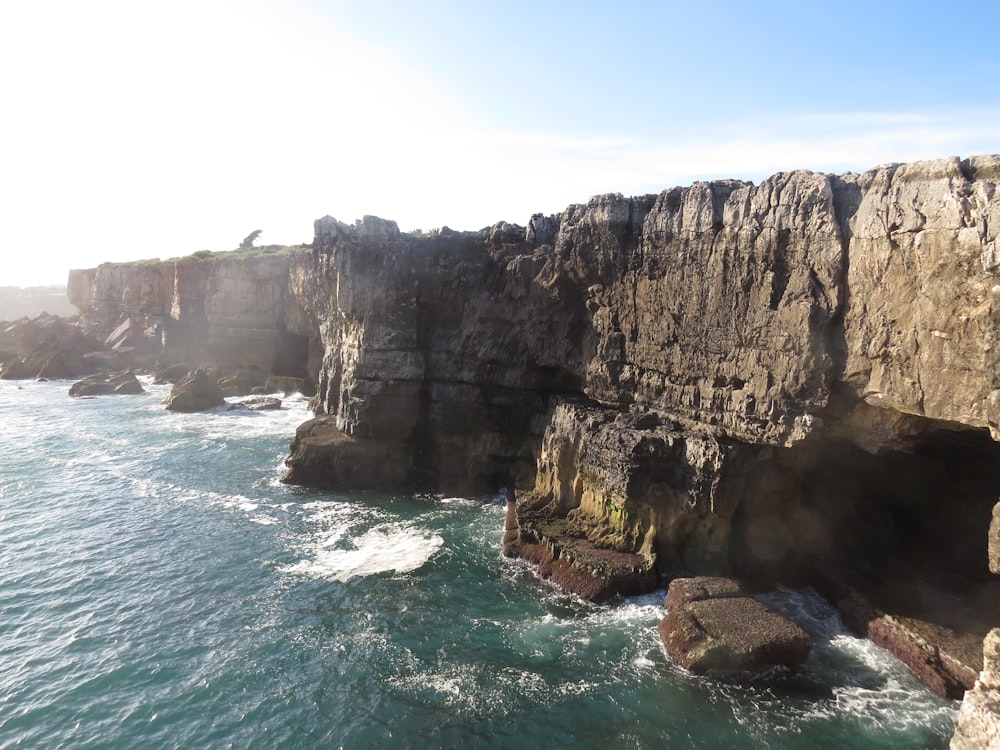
131,129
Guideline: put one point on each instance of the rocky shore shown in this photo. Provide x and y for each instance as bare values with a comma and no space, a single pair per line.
793,382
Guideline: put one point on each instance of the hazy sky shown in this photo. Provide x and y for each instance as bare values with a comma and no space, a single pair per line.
131,129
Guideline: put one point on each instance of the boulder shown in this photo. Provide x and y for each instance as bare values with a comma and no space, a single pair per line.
197,391
121,383
257,403
712,626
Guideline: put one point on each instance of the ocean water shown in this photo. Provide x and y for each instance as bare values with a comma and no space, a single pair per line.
159,588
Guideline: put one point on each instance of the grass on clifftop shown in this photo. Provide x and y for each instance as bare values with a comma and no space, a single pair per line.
211,255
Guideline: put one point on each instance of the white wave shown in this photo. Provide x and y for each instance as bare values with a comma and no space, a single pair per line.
384,549
263,520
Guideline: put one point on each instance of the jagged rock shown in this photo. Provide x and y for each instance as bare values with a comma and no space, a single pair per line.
121,383
46,346
979,718
258,403
323,456
711,625
196,391
909,639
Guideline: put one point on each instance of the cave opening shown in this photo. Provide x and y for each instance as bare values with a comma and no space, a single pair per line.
291,355
908,530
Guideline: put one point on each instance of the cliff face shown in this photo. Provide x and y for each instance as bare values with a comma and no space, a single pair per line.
772,380
790,325
230,313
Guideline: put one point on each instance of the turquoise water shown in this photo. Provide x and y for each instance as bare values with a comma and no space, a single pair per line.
160,588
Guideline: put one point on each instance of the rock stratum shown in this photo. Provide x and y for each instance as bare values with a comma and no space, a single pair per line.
795,381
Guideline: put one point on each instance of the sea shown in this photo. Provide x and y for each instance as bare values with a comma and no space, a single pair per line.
160,588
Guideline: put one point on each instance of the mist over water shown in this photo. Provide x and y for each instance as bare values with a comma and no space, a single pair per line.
160,588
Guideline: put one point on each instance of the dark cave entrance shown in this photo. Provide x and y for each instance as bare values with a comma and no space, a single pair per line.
906,529
291,355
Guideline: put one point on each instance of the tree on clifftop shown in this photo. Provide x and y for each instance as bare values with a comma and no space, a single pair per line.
250,239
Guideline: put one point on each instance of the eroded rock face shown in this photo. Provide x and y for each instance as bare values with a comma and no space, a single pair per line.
979,719
221,312
722,377
744,320
994,543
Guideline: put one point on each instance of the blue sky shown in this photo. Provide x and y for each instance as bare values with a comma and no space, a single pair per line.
133,130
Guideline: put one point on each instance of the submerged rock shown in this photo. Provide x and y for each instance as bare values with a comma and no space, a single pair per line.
197,391
121,383
713,626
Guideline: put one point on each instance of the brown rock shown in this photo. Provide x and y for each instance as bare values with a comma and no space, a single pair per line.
712,627
197,391
257,403
323,456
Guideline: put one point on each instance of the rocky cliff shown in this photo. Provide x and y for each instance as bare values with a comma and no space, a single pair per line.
227,311
770,380
793,381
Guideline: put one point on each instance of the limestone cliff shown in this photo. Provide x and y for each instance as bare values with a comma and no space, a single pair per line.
228,311
851,312
769,380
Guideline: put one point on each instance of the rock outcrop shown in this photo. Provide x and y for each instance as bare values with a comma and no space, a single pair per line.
712,625
107,383
196,391
979,719
48,347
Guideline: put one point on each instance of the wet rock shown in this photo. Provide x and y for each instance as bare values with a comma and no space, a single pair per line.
711,626
120,383
323,456
257,403
910,639
196,391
